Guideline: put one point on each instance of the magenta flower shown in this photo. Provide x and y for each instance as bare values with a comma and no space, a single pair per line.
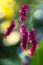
24,9
32,50
23,29
24,41
23,12
33,41
31,37
22,18
24,37
9,29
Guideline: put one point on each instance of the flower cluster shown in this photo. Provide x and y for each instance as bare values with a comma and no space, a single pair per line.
28,36
33,41
23,12
24,37
9,29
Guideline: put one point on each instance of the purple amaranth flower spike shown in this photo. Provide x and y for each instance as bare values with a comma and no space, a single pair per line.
33,41
22,18
32,36
28,36
9,29
23,12
32,50
23,30
24,9
24,41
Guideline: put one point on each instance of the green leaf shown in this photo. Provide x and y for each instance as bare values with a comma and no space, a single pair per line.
37,59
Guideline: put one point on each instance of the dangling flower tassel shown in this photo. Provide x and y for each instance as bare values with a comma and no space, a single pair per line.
9,29
33,41
23,12
31,37
24,37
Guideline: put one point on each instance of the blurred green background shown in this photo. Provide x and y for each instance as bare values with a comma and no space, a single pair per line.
9,54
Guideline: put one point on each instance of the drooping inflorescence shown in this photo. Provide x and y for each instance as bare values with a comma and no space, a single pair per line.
28,36
23,30
33,41
9,29
23,12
